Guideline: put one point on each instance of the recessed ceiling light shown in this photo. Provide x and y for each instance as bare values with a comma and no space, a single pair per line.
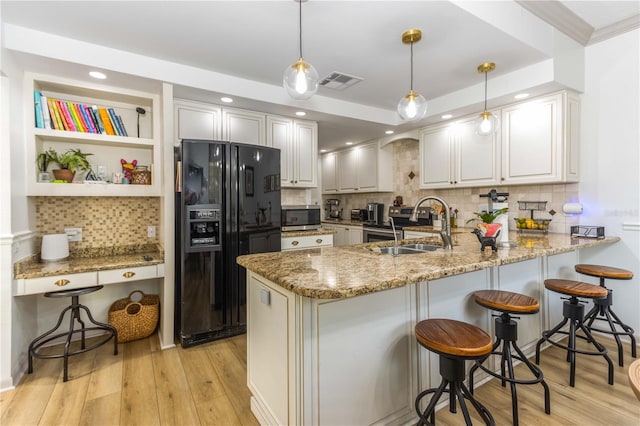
97,74
323,150
447,116
349,143
389,132
226,100
301,113
521,96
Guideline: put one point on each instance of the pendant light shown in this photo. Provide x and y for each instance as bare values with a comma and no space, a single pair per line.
487,123
300,78
413,106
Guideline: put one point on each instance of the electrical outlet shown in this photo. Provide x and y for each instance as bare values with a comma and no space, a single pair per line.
151,231
74,234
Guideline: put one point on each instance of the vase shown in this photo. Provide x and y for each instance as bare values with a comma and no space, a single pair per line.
64,174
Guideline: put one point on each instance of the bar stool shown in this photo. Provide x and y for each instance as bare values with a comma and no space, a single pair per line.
75,307
506,330
455,342
602,310
573,312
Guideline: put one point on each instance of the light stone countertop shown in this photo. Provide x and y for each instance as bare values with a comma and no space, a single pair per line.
89,261
342,272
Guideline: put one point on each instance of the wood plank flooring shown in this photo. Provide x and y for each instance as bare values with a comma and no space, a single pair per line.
206,385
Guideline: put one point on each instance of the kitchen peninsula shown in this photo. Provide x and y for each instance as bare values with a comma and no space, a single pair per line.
330,330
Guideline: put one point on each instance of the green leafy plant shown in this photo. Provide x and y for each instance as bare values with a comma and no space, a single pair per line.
72,159
487,216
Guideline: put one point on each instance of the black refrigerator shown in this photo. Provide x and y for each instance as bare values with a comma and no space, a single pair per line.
227,204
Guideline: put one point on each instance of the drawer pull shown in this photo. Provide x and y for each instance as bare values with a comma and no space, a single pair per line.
295,242
128,274
62,282
319,240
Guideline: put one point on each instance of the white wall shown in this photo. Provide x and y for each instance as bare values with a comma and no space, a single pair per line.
610,161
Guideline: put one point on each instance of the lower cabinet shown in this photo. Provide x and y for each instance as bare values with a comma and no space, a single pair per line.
307,241
345,235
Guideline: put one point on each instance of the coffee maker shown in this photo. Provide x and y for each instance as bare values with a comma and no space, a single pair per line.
375,213
331,209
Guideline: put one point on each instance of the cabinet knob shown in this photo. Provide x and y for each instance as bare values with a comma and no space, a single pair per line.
319,240
295,243
501,178
291,181
295,182
450,182
62,282
128,274
455,182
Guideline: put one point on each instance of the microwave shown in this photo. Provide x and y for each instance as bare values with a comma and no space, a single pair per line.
300,218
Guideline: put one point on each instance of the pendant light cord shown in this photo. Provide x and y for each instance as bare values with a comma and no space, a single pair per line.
485,90
300,26
411,66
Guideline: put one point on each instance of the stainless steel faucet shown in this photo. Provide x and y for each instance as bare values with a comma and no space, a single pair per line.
395,237
445,232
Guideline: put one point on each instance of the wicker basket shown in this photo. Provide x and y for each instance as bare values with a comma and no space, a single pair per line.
140,177
135,319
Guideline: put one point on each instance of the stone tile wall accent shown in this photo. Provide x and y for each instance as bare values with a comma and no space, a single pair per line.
466,200
105,221
293,197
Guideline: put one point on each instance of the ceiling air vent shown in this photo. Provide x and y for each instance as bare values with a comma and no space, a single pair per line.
339,81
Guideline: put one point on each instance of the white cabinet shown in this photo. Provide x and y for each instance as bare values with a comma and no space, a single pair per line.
243,126
345,235
307,241
364,168
329,166
540,140
196,121
452,155
298,144
107,150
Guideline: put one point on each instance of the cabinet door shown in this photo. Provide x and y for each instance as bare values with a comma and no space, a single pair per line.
194,122
367,167
329,173
436,149
476,159
355,235
348,170
280,135
243,126
531,136
305,154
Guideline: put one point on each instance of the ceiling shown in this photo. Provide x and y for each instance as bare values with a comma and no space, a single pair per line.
242,48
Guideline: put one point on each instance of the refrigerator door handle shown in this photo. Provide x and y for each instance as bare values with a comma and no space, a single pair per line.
212,289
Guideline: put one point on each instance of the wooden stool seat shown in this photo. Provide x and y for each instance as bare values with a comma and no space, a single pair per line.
506,301
604,272
451,337
576,288
634,377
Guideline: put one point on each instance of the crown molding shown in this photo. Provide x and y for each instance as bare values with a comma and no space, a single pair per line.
559,16
615,29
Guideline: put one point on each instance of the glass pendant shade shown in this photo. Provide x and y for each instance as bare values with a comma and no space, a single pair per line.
301,80
486,124
412,107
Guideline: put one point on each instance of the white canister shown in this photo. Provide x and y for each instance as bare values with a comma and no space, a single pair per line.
54,247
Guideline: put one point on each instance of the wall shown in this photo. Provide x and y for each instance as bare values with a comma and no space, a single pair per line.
610,158
465,200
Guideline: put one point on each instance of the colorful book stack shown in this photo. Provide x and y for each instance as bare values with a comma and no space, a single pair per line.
76,117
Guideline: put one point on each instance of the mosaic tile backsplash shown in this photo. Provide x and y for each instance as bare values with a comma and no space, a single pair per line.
466,200
105,221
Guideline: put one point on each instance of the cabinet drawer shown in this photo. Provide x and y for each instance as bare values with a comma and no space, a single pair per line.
311,241
127,274
55,283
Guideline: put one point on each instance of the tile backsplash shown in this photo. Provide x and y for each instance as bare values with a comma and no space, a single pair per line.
466,200
105,221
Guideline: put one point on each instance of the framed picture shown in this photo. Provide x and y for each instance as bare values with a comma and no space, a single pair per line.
248,181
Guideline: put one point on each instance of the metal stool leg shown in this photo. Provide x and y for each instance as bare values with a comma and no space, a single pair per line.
34,343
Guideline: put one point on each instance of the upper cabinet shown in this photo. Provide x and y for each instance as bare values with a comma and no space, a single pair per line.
298,144
538,143
364,168
197,121
243,126
138,138
452,155
540,140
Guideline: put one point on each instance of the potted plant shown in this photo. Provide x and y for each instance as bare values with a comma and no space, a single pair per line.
486,216
69,162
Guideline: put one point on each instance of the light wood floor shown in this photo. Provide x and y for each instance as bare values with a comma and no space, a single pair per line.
206,384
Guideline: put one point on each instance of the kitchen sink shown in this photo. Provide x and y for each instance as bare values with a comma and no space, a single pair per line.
409,249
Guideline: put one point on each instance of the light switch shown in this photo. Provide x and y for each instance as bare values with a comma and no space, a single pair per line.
265,296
